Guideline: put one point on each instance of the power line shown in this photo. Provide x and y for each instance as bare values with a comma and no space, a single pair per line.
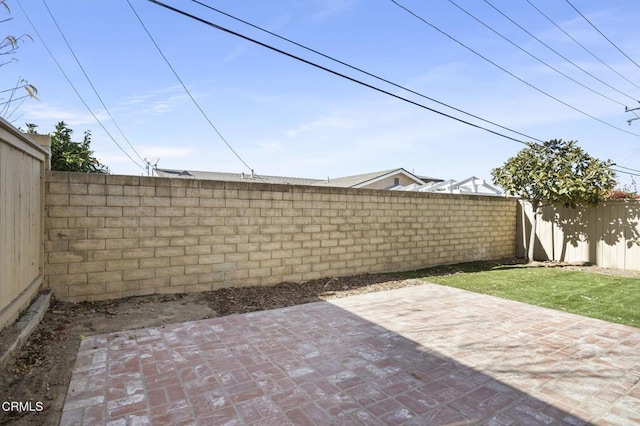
602,34
319,66
626,173
509,72
4,111
14,99
581,45
175,73
361,70
558,53
308,62
13,89
89,80
532,55
627,168
74,87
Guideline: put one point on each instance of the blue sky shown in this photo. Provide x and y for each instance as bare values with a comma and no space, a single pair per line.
287,118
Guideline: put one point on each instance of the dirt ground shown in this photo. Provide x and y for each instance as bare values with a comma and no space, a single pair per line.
41,371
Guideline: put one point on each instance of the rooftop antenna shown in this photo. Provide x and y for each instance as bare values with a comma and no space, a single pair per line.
151,165
627,109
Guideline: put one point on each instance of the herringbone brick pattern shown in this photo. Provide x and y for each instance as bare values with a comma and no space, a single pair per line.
424,355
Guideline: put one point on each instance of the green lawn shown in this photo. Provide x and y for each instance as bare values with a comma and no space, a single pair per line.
607,297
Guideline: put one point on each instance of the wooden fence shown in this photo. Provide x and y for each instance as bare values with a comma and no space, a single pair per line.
607,235
22,171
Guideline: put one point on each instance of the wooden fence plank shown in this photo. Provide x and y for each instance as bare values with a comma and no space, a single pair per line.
21,230
607,235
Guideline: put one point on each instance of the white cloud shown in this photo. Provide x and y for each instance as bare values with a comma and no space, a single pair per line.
237,52
453,71
150,94
166,152
47,115
268,147
330,8
333,121
163,106
156,102
610,20
278,22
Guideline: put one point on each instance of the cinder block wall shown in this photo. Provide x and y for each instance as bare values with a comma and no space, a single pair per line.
115,236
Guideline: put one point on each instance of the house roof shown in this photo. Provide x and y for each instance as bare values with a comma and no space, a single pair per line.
355,181
359,181
429,178
471,185
234,177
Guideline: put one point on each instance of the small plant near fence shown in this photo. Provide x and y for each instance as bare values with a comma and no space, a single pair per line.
618,194
627,192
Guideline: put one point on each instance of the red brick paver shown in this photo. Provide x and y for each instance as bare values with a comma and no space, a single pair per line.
424,355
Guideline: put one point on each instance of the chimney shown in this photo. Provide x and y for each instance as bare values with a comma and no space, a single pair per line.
253,175
242,175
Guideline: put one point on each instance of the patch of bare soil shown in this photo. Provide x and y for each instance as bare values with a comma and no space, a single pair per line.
41,371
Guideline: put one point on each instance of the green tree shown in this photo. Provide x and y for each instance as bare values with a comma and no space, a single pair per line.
69,156
555,171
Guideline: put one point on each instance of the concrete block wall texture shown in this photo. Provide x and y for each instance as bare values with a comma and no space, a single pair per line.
116,236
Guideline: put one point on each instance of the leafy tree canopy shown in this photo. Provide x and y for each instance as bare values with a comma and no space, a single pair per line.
69,156
555,171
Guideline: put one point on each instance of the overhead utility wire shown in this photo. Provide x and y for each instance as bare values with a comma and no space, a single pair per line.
581,45
352,79
13,89
15,99
362,71
532,55
509,72
331,71
175,73
622,171
602,34
74,87
558,53
4,111
7,104
628,168
90,82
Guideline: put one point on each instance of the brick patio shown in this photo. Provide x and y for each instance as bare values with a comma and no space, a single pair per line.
423,355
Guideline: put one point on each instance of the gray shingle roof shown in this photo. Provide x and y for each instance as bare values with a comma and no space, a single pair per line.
340,182
350,181
234,177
